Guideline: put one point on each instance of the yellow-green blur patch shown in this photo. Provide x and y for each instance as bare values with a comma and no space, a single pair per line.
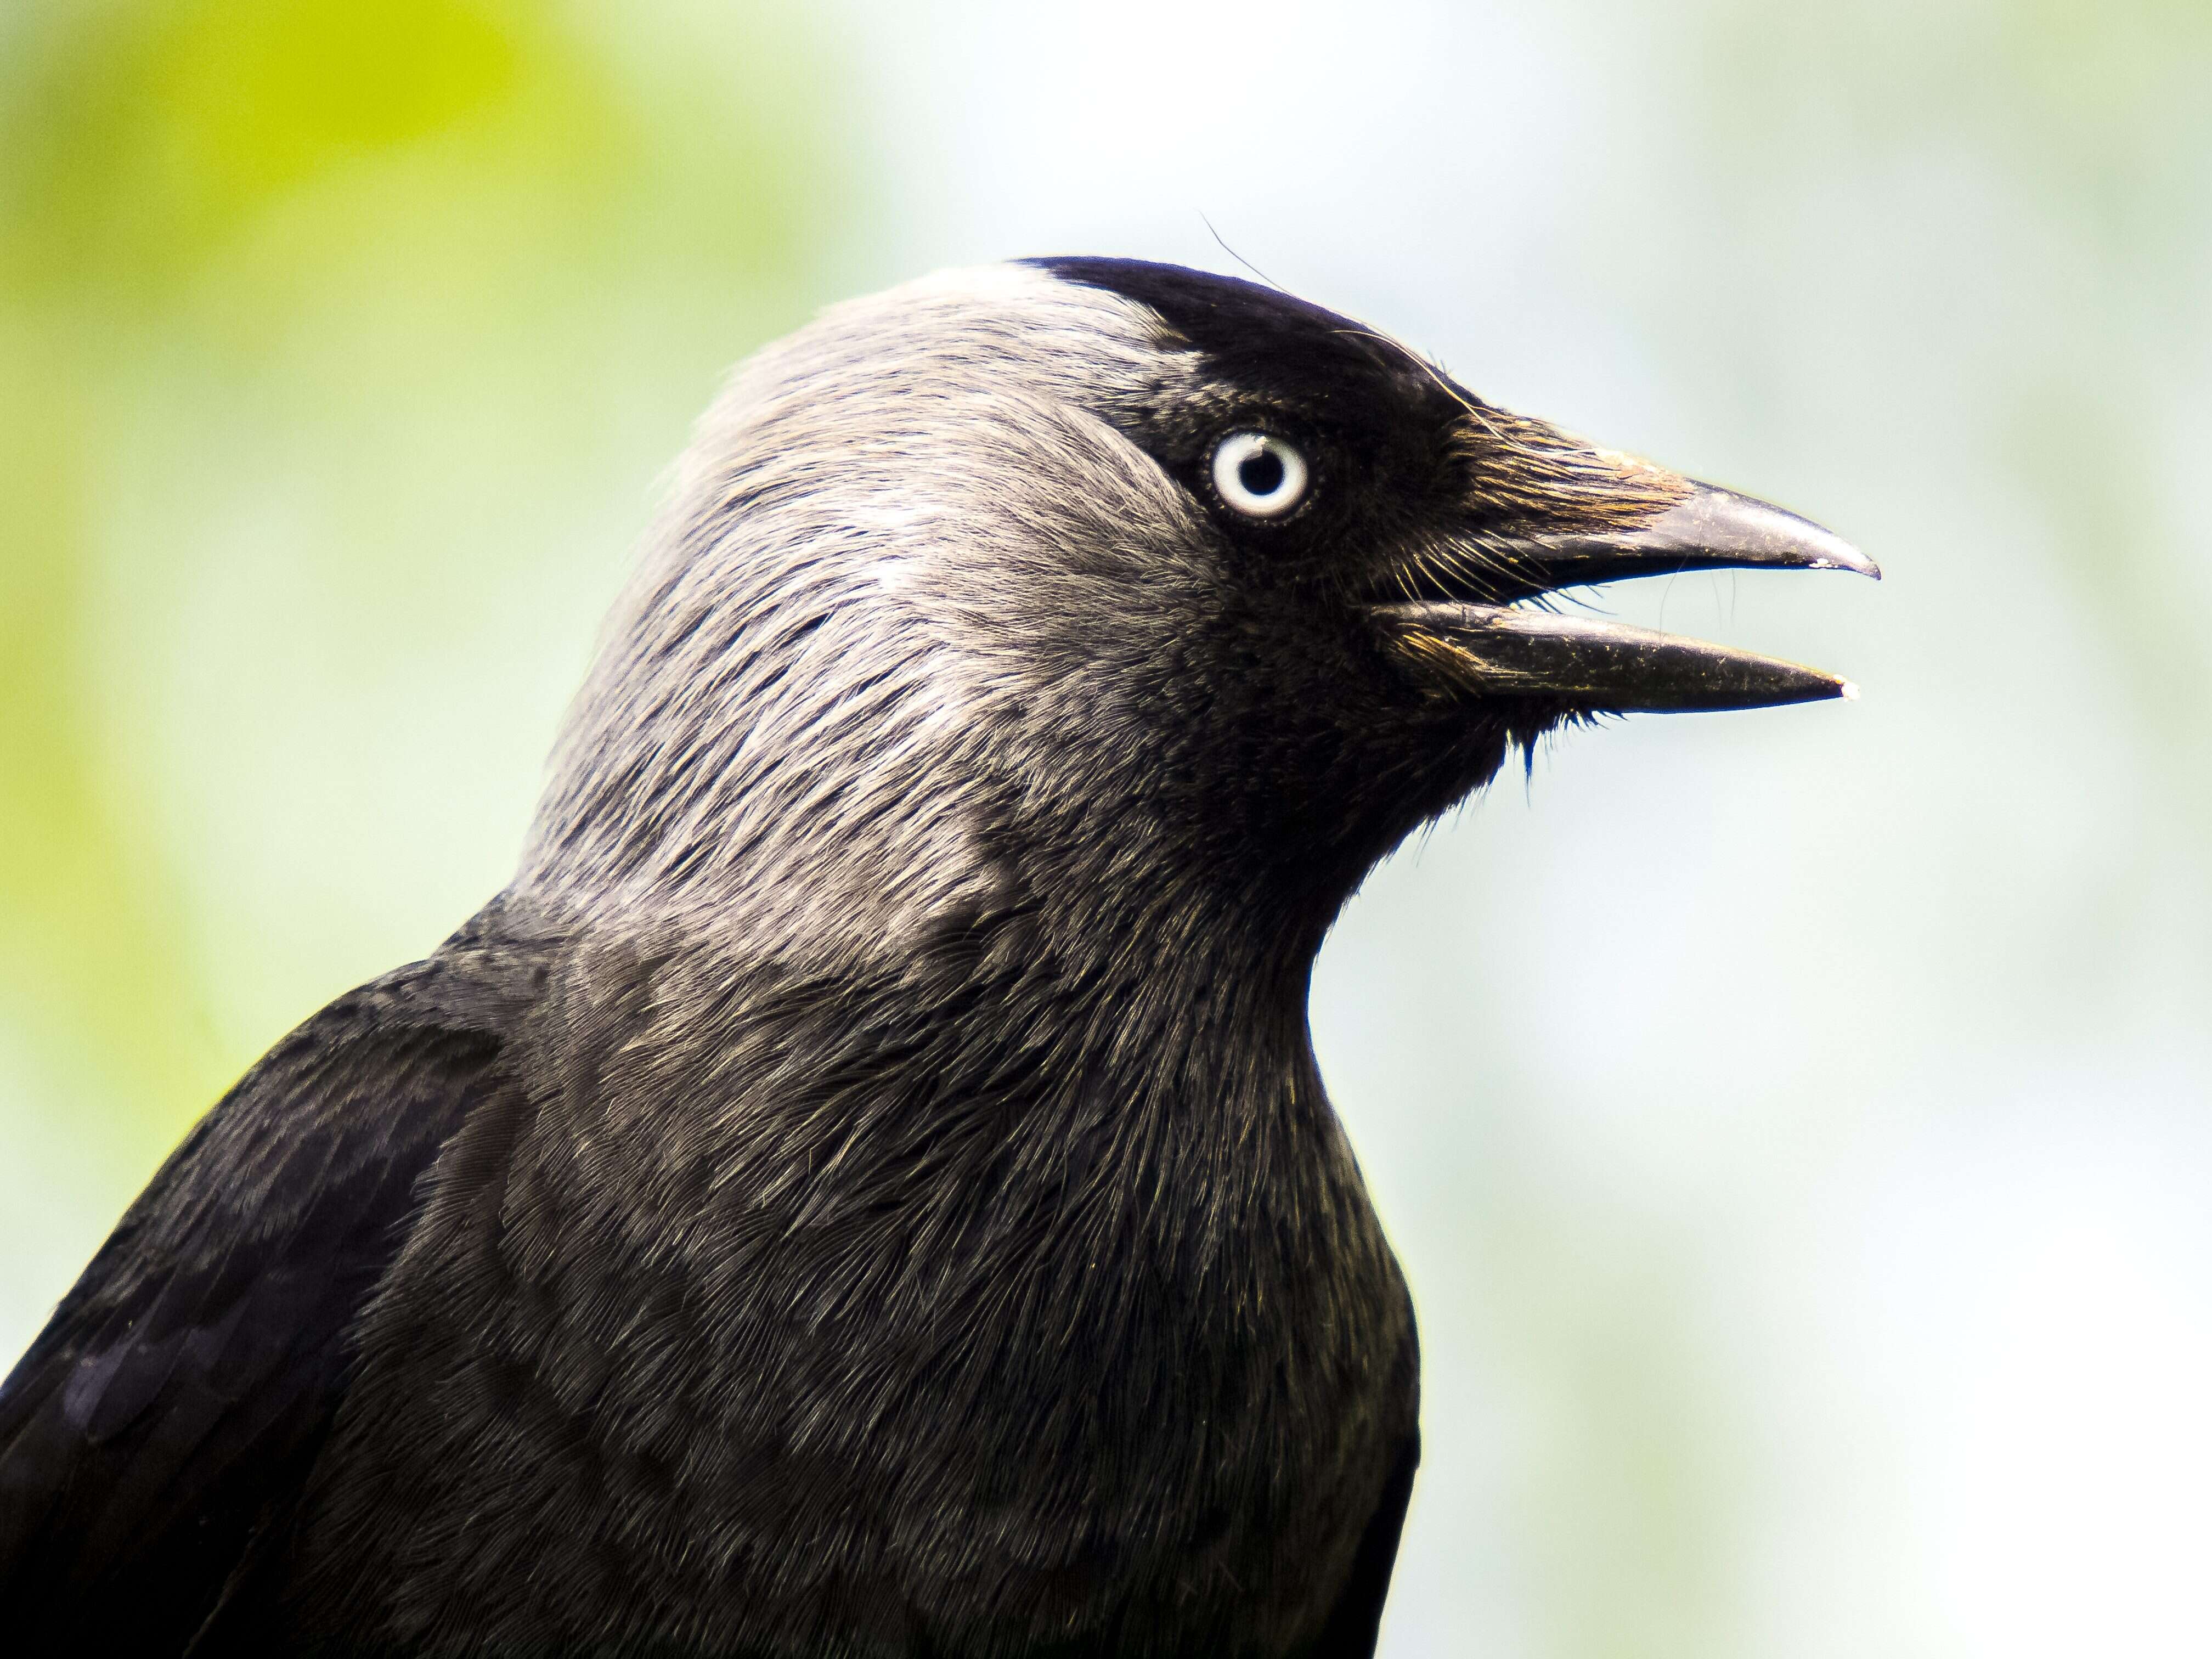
341,344
144,138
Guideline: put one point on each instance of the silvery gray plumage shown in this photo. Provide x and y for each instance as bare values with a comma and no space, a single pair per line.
865,1187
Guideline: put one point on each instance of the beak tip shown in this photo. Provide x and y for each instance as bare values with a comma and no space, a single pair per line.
1730,529
1848,690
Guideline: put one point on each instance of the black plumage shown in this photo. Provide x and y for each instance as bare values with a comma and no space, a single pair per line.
865,1189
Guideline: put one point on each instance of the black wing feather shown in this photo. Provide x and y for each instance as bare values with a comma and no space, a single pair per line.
173,1406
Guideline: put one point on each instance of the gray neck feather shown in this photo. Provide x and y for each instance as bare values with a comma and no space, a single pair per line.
861,656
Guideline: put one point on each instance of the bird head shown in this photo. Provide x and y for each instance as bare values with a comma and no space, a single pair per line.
1089,581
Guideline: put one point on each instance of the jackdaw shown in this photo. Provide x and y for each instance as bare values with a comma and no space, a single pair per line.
865,1189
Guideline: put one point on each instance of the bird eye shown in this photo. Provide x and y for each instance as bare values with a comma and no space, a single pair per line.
1260,476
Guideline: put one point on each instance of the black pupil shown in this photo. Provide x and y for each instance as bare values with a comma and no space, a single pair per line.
1260,473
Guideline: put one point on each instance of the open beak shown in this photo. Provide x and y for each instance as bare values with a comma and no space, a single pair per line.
1479,647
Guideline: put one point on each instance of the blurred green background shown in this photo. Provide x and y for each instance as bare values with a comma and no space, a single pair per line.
1795,1125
